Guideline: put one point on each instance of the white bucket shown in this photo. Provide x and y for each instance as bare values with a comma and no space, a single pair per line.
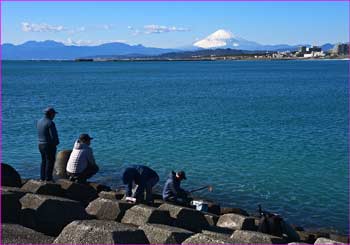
200,205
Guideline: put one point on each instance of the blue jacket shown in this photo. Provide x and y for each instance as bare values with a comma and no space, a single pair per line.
172,189
47,132
140,175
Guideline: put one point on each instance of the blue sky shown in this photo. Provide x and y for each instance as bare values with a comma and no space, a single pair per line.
174,24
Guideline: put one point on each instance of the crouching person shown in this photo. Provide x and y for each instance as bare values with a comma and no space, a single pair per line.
81,164
142,176
172,192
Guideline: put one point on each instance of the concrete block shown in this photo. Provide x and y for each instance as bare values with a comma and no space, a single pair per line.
43,187
206,239
10,206
323,240
106,209
17,234
79,192
112,195
49,214
164,234
100,232
9,176
189,219
236,222
142,214
253,237
60,166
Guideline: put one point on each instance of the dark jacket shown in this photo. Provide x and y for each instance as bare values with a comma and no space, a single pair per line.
140,175
172,189
47,132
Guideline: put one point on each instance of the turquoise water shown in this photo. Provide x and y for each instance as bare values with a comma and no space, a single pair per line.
268,132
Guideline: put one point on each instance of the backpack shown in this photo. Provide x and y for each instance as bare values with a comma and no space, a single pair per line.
270,223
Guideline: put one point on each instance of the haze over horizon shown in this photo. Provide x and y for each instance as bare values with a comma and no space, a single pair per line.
174,24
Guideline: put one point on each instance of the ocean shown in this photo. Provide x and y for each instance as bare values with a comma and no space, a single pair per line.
273,133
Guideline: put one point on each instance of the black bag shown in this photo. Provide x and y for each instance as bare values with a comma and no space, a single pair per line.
271,224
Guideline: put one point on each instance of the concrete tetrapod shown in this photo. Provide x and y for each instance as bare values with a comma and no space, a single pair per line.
200,238
9,176
100,232
142,214
79,192
106,209
164,234
253,237
236,222
10,206
17,234
49,214
99,187
323,240
43,187
61,163
186,218
112,195
230,210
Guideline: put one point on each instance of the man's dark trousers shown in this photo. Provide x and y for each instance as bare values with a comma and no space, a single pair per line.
48,156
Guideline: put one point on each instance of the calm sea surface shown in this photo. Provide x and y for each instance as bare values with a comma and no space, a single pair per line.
267,132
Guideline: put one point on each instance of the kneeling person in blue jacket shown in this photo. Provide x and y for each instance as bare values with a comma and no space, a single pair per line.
172,192
144,177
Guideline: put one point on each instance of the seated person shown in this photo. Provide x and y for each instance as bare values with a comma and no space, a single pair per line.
144,177
81,164
172,192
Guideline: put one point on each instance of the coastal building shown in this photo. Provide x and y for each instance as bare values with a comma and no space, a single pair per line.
341,49
314,49
314,54
302,49
310,52
281,55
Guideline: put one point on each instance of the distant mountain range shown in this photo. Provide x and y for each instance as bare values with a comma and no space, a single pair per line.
58,51
52,50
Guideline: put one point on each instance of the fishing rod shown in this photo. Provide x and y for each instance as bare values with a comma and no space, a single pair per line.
209,187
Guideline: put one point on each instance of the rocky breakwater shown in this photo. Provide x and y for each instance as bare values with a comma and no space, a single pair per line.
39,212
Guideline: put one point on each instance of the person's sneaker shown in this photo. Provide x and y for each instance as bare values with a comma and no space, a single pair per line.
130,199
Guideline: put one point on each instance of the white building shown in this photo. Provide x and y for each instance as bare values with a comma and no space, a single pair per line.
314,54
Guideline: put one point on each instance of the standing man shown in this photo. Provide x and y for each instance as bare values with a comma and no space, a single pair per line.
144,177
48,141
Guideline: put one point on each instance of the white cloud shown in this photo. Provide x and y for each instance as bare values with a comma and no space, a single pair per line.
76,30
43,27
149,29
136,32
81,29
71,42
107,27
156,29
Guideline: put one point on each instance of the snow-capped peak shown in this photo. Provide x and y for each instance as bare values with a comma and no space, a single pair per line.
221,34
225,39
219,38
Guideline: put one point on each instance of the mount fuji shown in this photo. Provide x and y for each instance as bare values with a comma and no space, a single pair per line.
225,39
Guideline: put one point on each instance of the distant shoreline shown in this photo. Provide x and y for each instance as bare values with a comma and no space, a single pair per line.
171,60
